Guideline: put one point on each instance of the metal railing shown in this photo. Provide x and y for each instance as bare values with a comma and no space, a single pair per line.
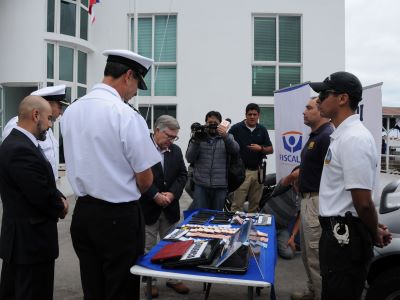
390,163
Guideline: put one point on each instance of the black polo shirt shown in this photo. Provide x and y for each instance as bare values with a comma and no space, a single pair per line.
312,158
244,136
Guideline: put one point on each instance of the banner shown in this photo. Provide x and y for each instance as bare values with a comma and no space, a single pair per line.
370,111
290,131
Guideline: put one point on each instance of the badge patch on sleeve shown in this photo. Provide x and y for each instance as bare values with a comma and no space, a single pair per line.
311,145
328,157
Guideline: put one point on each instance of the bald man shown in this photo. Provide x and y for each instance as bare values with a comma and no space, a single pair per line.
55,95
32,206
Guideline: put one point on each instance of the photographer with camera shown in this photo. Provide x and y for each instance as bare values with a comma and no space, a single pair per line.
208,150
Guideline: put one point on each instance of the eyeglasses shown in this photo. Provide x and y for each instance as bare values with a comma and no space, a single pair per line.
172,138
325,94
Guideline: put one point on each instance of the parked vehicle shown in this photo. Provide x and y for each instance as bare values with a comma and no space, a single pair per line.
384,271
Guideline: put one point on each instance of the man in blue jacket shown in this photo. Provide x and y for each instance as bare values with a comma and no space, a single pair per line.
209,154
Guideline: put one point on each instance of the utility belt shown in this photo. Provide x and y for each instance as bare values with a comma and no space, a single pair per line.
92,200
308,194
349,231
252,169
328,223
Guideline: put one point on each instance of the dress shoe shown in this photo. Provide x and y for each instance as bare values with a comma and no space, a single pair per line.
154,291
306,295
179,287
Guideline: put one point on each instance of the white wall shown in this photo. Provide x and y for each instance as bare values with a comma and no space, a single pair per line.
23,52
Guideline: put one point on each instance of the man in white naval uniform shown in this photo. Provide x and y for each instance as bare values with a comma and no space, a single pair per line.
109,155
55,95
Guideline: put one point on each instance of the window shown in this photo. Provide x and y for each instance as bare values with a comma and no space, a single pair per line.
68,18
156,38
50,15
82,67
267,117
50,61
151,112
277,53
73,17
67,65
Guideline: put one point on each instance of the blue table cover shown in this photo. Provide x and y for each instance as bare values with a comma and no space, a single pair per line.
267,259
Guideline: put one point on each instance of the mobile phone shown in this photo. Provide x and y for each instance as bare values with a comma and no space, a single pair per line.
225,123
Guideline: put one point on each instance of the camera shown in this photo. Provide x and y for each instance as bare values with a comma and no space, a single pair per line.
201,132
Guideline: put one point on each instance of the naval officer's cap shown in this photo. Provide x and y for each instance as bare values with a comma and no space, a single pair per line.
139,64
52,93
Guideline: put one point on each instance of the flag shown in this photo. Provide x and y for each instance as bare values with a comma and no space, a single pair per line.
91,11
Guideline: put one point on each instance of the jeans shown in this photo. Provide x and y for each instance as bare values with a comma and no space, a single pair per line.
284,250
211,198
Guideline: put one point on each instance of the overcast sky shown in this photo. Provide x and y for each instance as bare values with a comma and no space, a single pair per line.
373,45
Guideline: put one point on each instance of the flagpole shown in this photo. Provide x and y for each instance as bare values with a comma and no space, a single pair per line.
135,46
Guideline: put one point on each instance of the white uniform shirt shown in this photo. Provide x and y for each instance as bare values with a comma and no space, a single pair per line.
350,163
49,145
105,143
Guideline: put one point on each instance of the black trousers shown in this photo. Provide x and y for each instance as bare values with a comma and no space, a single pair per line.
107,239
344,267
27,282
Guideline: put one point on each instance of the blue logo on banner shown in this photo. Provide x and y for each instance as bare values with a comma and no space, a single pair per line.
292,142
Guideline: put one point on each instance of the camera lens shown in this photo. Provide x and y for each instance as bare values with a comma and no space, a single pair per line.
195,126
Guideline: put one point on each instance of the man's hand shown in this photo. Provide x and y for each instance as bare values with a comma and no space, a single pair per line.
162,200
169,195
222,131
291,243
383,236
65,210
255,147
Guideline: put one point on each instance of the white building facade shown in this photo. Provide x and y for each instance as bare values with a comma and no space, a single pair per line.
210,55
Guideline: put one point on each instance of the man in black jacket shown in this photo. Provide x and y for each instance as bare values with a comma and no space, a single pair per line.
160,204
31,207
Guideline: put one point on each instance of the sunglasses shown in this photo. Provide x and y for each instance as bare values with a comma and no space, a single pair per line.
325,94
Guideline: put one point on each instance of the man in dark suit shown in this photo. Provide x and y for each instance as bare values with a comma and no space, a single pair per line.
31,207
160,204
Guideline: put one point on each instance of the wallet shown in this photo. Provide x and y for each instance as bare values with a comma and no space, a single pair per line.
171,252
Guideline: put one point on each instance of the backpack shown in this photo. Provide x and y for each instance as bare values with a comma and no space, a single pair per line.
236,171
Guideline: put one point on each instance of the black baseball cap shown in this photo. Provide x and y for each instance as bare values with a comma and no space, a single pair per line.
341,82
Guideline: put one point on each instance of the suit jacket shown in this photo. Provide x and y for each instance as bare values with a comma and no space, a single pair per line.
170,179
31,203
